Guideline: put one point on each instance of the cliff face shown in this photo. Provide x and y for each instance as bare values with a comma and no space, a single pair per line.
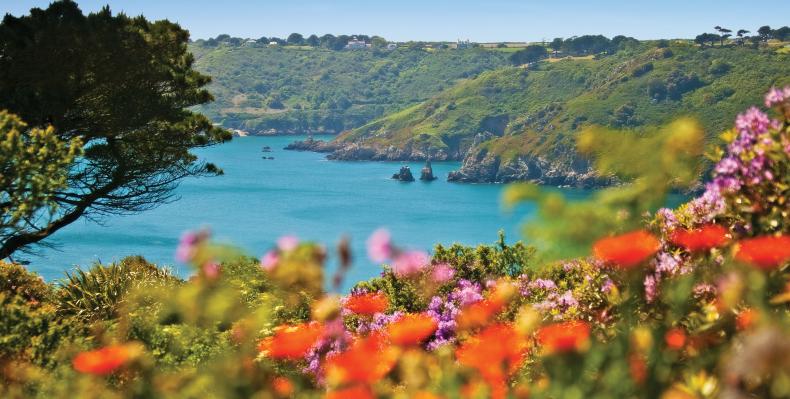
478,164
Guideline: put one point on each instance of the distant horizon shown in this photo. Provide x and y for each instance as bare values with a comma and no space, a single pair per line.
446,21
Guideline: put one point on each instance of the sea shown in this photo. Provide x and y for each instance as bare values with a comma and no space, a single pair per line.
257,200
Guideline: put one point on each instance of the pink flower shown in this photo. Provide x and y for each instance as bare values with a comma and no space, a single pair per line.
269,261
379,246
409,263
775,96
187,245
287,243
211,270
442,273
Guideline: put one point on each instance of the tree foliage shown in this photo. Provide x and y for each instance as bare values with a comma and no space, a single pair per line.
121,86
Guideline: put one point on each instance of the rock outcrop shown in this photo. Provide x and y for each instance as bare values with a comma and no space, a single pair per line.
426,174
562,170
404,174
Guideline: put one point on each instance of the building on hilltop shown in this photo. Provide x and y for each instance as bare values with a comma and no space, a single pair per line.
356,44
463,44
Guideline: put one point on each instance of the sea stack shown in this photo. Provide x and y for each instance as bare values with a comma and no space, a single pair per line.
404,174
427,172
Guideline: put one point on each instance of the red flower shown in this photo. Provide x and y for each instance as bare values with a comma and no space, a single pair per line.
700,239
495,353
355,392
283,387
478,313
675,339
411,329
291,342
106,360
368,360
746,319
367,304
626,250
764,252
568,336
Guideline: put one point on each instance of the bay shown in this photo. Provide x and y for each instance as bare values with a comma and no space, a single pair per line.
301,193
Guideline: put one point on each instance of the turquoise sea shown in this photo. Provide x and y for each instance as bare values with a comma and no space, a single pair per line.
299,193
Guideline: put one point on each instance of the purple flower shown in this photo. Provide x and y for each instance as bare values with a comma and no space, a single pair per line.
666,263
667,220
567,300
651,288
776,96
379,246
466,293
543,284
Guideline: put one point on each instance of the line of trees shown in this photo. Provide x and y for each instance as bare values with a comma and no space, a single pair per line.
591,44
328,41
764,34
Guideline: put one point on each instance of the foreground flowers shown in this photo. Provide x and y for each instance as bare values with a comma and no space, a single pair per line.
700,239
291,342
106,360
411,329
627,250
764,252
571,336
367,304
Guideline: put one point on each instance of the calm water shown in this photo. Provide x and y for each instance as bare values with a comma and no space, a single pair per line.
298,193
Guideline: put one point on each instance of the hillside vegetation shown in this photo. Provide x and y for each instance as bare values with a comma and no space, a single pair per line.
307,89
519,123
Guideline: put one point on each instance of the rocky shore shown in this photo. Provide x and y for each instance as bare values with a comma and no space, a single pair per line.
478,166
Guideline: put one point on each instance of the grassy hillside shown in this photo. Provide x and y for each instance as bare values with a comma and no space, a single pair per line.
303,88
516,111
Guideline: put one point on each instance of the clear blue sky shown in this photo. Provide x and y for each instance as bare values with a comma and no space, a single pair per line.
483,21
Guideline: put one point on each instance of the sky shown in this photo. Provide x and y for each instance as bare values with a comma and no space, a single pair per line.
447,20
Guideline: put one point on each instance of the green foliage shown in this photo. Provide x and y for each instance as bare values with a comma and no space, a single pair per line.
34,163
543,109
119,87
326,90
653,164
98,293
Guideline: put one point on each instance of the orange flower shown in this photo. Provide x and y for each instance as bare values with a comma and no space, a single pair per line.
746,319
425,395
627,250
291,342
283,387
355,392
700,239
764,252
411,329
368,360
367,304
106,360
568,336
637,366
675,338
478,313
495,353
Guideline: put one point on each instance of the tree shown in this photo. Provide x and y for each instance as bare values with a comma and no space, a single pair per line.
782,33
725,34
706,38
295,39
122,87
740,34
556,44
312,41
34,163
765,33
529,54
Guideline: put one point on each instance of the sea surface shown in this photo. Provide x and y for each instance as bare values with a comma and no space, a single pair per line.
298,193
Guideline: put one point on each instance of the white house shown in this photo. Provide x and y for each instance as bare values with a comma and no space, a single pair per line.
356,44
463,44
